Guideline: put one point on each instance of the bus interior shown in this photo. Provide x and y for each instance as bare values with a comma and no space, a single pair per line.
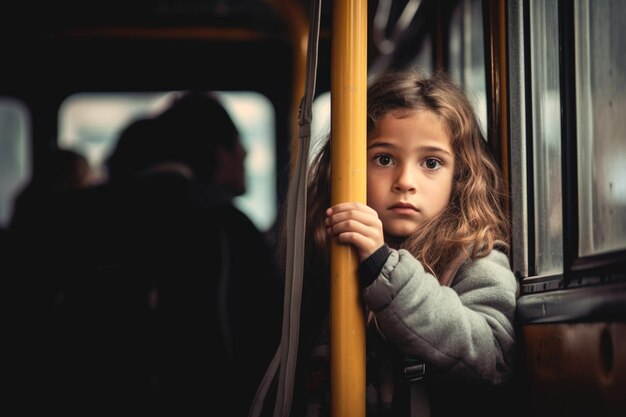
548,81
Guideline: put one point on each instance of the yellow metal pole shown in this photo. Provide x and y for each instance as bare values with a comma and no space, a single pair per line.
348,175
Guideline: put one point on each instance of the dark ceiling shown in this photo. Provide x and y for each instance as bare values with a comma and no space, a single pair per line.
27,16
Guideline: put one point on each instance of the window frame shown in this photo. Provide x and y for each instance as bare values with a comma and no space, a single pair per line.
578,271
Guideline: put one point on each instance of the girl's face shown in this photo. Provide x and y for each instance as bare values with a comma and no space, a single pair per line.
410,165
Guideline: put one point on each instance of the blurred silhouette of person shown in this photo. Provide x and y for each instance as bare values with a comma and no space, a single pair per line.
34,243
34,214
66,170
34,208
137,148
176,303
246,316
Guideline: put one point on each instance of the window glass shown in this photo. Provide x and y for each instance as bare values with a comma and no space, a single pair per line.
254,116
90,124
15,166
467,55
423,61
601,123
546,128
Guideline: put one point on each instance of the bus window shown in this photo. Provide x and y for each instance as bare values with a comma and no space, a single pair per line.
467,55
15,168
546,138
91,123
600,125
599,80
254,116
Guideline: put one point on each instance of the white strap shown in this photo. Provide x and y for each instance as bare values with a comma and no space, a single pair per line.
286,356
264,386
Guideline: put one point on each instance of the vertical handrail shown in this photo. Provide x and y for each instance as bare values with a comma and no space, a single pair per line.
348,176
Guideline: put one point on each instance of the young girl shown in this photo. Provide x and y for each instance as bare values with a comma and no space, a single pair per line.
435,278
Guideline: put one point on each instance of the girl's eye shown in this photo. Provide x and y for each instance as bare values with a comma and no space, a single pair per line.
432,163
383,160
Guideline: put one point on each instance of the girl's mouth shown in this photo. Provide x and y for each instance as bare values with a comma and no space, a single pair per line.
403,208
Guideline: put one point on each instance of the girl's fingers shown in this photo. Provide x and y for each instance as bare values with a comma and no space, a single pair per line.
343,207
344,212
364,244
355,224
351,225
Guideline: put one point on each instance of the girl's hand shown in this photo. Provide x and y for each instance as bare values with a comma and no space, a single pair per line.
356,224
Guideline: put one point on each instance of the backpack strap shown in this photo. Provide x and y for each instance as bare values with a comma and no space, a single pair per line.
419,402
415,368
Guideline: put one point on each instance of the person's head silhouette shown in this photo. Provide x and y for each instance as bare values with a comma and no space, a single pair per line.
199,132
137,149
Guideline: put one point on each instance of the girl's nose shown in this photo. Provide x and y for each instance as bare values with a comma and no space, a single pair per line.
405,180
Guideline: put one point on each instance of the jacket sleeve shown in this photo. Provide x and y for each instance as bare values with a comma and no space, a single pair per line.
465,332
